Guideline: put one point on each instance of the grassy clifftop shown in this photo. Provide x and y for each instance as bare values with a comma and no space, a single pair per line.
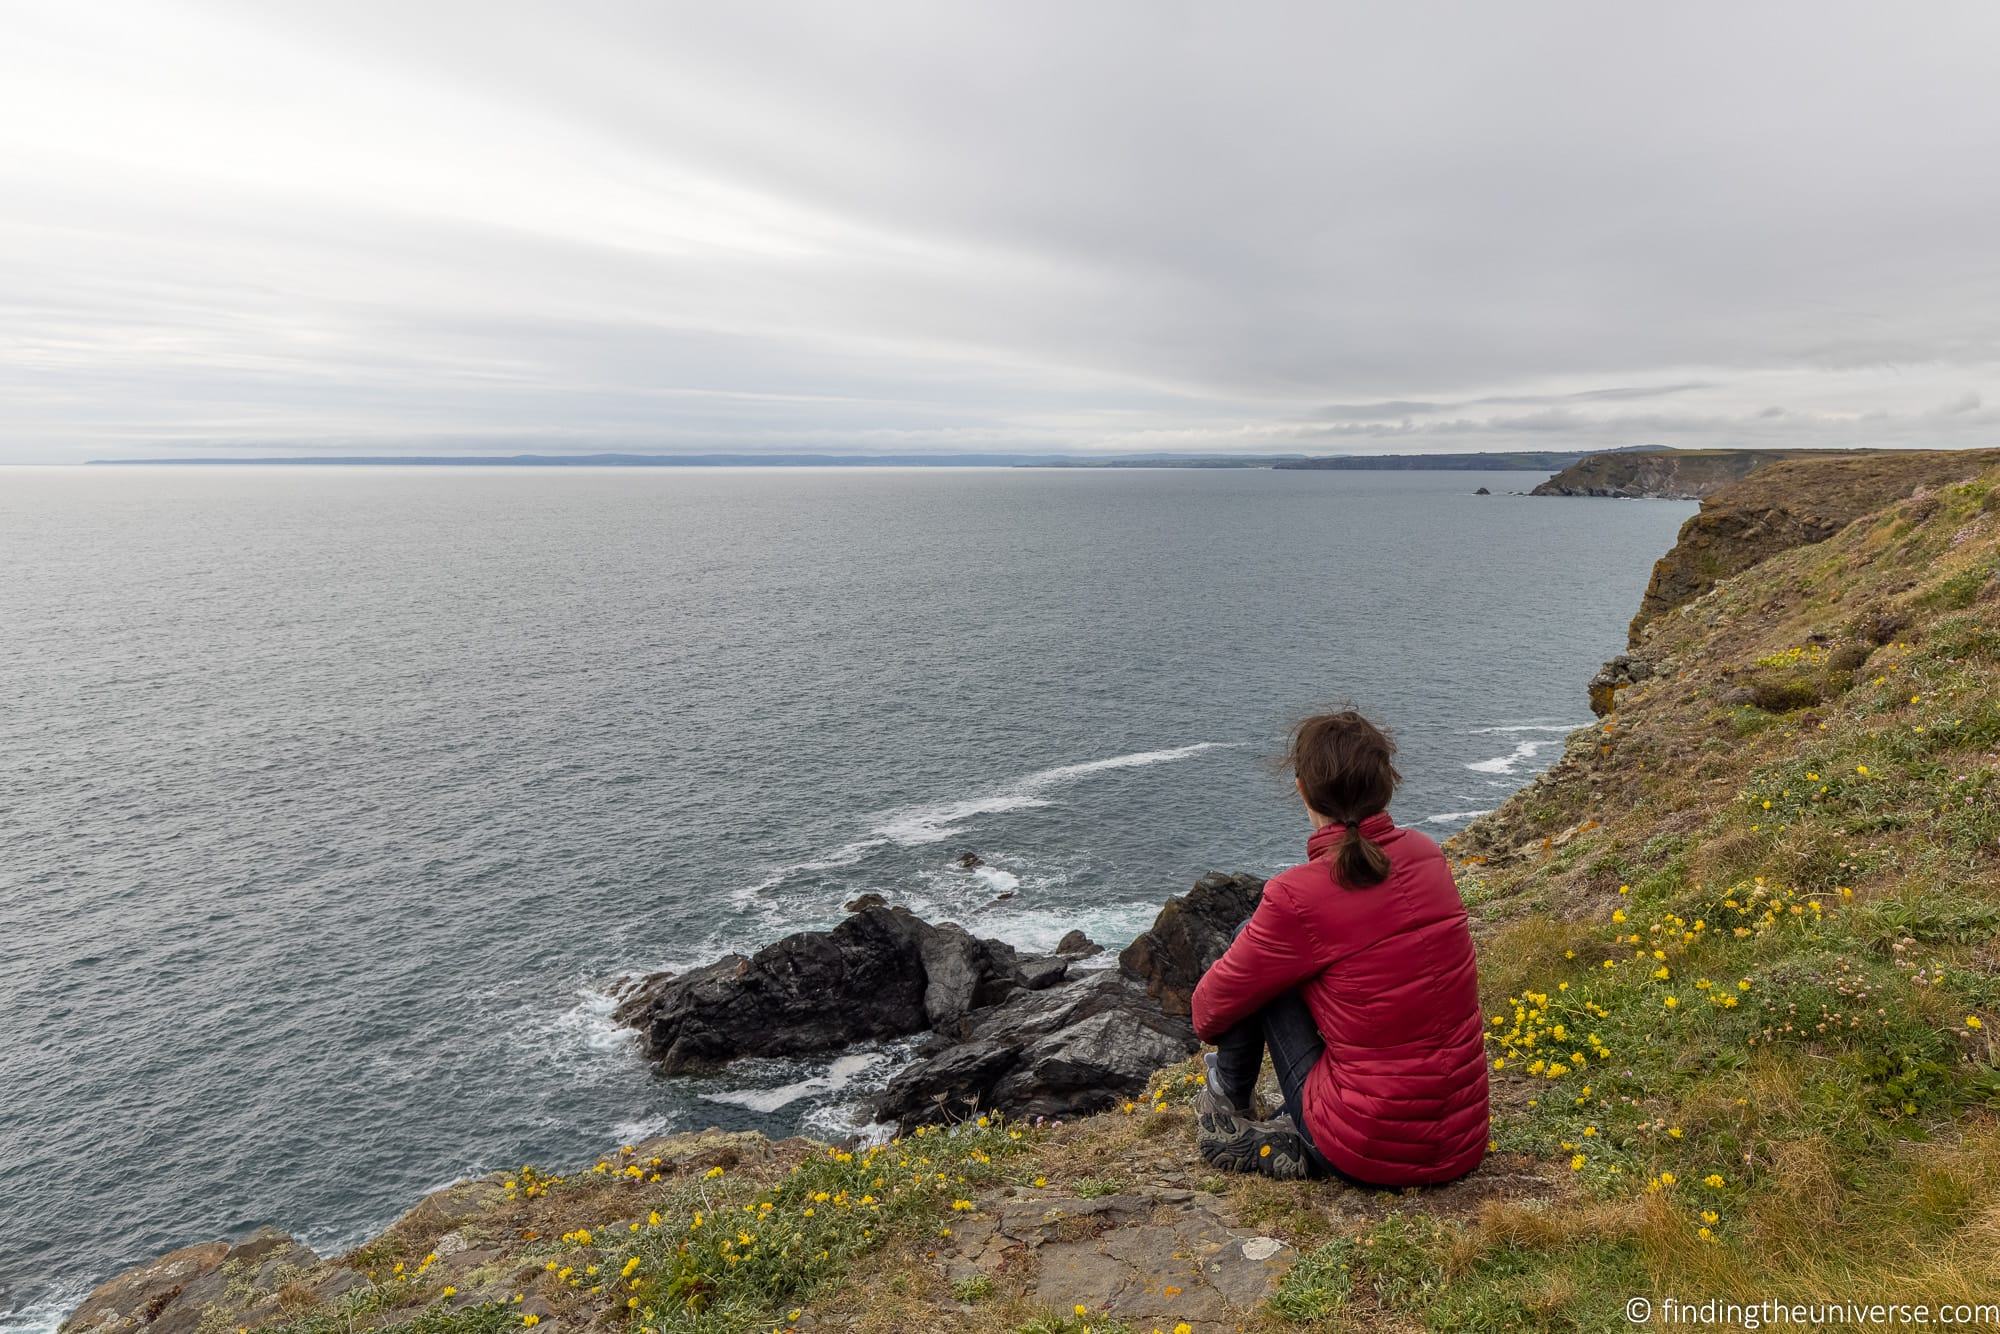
1787,502
1741,951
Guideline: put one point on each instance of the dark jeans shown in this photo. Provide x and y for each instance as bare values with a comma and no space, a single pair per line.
1286,1027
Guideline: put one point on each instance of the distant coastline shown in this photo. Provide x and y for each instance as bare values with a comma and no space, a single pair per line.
1513,461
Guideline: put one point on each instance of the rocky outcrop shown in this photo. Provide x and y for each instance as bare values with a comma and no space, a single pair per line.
1792,502
1623,670
1090,1044
881,973
1190,933
170,1295
1028,1035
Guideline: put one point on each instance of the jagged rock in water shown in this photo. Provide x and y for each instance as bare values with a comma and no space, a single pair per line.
1025,1035
862,901
1076,945
1190,933
883,972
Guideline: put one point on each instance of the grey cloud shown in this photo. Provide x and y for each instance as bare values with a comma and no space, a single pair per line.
955,225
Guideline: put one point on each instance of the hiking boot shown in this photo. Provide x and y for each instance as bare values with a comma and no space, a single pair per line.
1222,1129
1225,1136
1280,1149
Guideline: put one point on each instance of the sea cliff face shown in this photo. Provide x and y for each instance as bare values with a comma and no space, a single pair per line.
1789,502
1664,474
1740,952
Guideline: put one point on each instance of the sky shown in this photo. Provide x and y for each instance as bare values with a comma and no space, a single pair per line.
291,227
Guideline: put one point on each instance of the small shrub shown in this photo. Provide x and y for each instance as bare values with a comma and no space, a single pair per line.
975,1289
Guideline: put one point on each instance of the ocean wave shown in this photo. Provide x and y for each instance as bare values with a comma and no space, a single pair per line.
840,857
44,1313
996,880
642,1128
1446,817
1529,727
766,1085
933,824
1036,930
1523,752
917,826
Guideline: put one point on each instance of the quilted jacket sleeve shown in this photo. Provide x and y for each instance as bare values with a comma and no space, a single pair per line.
1274,954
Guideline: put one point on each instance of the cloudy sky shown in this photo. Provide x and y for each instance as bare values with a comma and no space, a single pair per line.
288,226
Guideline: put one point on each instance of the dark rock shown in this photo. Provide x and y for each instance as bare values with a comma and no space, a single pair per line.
633,997
1026,1036
1041,974
1880,627
1067,1051
1190,933
970,859
864,901
961,972
1076,945
883,972
1482,491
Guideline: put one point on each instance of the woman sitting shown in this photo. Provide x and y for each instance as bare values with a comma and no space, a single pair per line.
1357,972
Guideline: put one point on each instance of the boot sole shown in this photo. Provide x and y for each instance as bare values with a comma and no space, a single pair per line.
1281,1154
1225,1140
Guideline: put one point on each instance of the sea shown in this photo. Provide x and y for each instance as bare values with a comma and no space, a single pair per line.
334,801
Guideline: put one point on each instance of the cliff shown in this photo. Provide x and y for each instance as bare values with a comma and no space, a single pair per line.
1785,503
1663,474
1740,949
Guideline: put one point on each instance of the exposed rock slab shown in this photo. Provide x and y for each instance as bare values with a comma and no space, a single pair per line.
1063,1052
1150,1258
171,1294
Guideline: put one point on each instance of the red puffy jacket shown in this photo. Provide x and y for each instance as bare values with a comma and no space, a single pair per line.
1399,1097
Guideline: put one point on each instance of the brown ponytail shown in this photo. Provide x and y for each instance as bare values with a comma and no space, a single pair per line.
1346,772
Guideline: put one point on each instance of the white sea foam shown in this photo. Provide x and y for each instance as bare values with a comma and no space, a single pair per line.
934,824
631,1132
44,1314
996,880
840,1120
844,1070
846,855
915,826
1036,930
1529,727
1446,817
1523,752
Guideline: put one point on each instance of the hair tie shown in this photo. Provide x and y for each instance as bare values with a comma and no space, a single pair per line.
1354,826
